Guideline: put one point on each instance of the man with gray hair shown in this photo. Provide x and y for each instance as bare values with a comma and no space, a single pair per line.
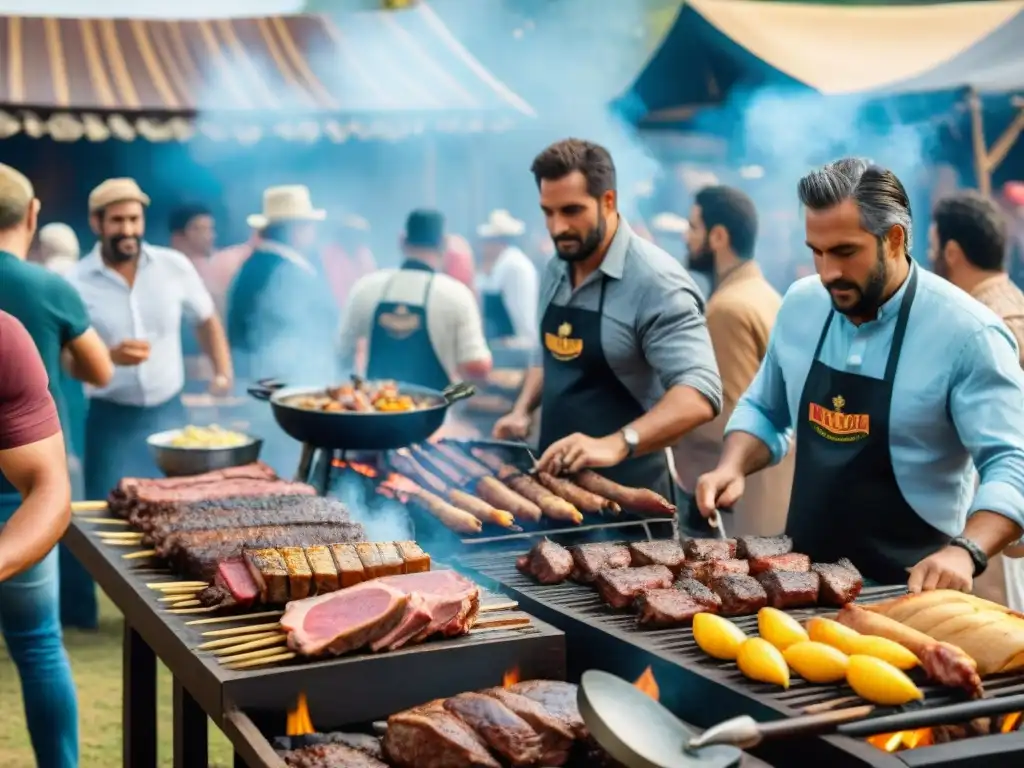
893,381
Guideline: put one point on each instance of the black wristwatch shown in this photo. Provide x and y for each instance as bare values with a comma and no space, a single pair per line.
978,556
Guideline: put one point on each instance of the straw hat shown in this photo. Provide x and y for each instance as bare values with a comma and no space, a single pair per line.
291,202
670,224
116,191
501,224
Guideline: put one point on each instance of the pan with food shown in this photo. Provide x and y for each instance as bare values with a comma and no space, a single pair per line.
361,415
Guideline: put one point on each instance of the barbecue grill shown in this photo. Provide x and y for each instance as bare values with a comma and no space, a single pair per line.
704,692
374,685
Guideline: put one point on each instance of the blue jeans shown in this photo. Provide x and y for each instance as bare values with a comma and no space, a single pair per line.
30,623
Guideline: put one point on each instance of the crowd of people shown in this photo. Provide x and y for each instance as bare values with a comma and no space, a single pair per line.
874,412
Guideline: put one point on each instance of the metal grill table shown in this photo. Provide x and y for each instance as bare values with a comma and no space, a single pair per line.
703,691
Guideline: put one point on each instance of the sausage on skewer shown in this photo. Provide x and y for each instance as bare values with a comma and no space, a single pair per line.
404,462
450,516
633,499
581,498
487,488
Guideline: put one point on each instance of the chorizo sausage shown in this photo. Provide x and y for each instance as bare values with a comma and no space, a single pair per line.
449,515
632,499
499,495
480,509
552,506
581,498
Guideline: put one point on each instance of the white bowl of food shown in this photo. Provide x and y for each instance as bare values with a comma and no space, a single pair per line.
193,450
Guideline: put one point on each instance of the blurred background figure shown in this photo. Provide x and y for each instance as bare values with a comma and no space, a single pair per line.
458,261
58,247
347,255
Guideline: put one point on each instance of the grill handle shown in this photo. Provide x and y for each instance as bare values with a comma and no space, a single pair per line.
745,732
950,714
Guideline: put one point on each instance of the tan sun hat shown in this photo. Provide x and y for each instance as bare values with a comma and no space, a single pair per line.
112,191
291,202
501,223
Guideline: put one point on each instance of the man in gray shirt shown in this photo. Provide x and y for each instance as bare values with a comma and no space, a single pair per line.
626,365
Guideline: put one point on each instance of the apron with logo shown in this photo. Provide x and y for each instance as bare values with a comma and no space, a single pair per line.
400,347
583,394
846,501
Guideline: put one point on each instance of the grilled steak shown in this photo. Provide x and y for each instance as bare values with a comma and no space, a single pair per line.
555,737
350,567
741,595
589,559
710,549
705,571
270,572
666,552
415,559
330,756
701,593
792,561
547,562
157,500
763,546
391,562
233,584
502,729
343,621
619,587
439,602
790,589
325,572
241,512
129,489
300,575
558,700
667,608
840,582
368,744
369,555
430,737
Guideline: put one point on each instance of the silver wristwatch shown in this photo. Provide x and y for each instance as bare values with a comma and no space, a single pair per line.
632,440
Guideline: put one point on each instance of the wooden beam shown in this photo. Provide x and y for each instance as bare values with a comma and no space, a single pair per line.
981,169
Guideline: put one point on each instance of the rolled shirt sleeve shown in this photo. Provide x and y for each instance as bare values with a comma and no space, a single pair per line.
28,413
674,337
763,410
986,402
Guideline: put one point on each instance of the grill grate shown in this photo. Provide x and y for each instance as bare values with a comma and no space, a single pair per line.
582,604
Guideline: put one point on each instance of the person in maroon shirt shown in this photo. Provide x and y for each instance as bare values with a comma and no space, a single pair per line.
32,520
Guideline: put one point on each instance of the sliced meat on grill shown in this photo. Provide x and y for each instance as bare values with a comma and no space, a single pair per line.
741,595
343,621
794,561
710,549
790,589
414,558
505,732
369,555
350,567
391,562
368,744
439,602
237,585
130,488
841,582
555,737
430,737
330,756
547,562
706,571
589,559
300,575
325,572
270,572
702,593
763,546
163,500
619,587
241,512
667,608
667,552
558,699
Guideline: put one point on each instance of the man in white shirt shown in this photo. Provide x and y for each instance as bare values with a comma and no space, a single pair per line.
423,327
507,283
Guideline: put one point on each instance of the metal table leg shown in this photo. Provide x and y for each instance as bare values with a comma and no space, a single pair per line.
138,675
305,464
190,730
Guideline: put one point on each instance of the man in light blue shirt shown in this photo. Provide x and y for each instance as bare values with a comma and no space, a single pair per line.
893,381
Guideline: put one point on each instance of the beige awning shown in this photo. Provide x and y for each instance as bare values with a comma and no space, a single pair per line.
842,49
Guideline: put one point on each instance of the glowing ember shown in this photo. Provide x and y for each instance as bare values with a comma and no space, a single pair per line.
510,678
1011,723
299,722
648,684
356,466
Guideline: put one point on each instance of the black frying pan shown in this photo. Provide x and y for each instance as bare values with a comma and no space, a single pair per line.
353,431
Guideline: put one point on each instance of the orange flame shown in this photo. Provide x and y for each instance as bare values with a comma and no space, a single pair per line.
299,722
510,678
1011,723
356,466
648,684
925,737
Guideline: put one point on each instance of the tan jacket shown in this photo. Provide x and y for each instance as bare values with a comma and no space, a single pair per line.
1004,298
740,316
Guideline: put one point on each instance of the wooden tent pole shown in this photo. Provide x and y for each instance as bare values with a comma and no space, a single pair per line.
988,159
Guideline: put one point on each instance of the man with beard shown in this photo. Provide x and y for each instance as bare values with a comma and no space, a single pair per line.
967,246
626,364
894,381
741,313
136,294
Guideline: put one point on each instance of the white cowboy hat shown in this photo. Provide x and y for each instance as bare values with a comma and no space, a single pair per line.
291,202
670,223
501,224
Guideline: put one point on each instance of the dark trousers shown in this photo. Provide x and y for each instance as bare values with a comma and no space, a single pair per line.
115,447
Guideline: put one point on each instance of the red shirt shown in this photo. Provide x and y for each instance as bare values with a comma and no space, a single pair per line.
27,411
458,261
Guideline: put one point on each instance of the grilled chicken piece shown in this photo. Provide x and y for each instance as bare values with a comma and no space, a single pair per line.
790,589
701,593
741,595
430,737
350,567
667,608
391,562
666,552
710,549
325,572
270,573
590,559
619,587
369,556
555,737
504,731
841,582
558,699
763,546
547,562
706,571
793,561
414,558
300,576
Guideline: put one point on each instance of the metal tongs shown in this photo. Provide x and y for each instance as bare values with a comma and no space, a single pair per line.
715,520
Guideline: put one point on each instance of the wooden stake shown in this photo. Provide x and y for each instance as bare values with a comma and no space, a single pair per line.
209,645
185,604
103,520
194,610
166,585
123,543
88,506
177,598
225,619
120,535
240,630
261,662
509,606
139,555
182,590
251,645
502,623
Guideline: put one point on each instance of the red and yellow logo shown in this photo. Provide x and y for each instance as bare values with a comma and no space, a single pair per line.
838,426
561,345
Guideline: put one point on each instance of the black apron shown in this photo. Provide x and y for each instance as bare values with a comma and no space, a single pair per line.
497,321
846,501
583,394
400,347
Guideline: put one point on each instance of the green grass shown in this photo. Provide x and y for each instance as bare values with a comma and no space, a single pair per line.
96,665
